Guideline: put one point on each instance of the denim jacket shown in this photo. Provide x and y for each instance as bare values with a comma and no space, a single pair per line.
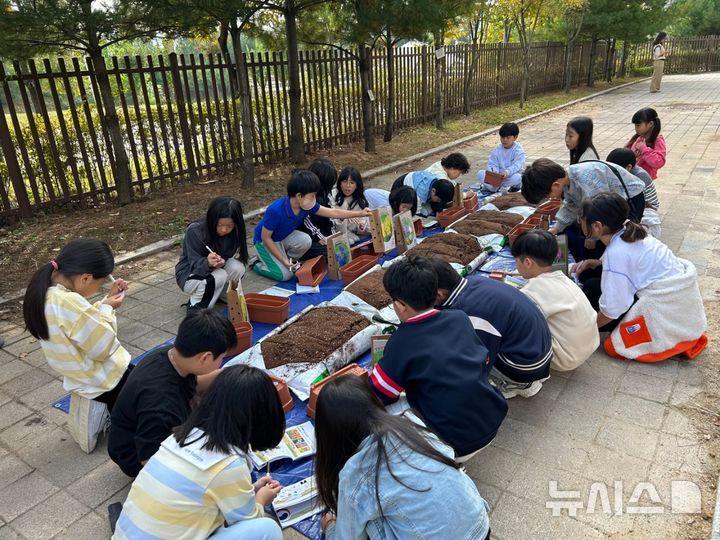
448,505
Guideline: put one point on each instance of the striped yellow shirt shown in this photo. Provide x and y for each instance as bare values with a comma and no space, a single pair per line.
83,345
185,493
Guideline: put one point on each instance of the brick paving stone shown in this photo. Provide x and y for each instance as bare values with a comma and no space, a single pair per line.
50,518
624,437
20,496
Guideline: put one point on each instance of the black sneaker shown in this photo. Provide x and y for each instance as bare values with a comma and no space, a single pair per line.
2,342
114,511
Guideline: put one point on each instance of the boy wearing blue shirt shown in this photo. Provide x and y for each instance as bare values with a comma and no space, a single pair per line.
509,324
433,193
277,239
436,358
507,159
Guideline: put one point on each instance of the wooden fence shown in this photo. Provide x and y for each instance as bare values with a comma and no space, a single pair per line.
180,117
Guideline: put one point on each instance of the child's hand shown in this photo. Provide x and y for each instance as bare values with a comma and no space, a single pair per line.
265,481
326,520
364,212
357,221
291,264
504,174
215,260
587,264
267,493
118,286
115,300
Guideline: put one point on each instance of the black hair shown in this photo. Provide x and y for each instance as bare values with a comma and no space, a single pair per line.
303,182
358,197
447,276
81,256
403,195
612,211
659,38
584,128
541,246
241,410
327,174
510,129
538,178
456,161
347,414
226,207
647,114
412,281
622,157
444,189
204,330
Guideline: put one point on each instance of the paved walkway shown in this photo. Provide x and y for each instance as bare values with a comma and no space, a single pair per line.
606,422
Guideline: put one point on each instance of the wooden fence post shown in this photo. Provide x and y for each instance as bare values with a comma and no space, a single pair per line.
8,149
182,118
424,77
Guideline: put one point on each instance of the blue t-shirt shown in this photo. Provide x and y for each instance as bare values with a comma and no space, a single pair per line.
281,220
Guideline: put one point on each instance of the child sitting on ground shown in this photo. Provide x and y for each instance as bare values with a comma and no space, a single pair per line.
433,194
349,194
566,309
450,167
509,324
278,242
647,298
314,225
214,252
578,139
651,219
648,143
399,200
158,394
438,360
385,476
79,339
507,159
198,484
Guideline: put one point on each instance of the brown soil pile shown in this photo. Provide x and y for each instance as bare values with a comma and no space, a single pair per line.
313,337
504,218
370,289
457,248
503,202
479,227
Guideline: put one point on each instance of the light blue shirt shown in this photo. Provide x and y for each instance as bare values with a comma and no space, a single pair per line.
377,198
445,505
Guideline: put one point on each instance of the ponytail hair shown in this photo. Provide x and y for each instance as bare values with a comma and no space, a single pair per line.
647,115
613,212
82,256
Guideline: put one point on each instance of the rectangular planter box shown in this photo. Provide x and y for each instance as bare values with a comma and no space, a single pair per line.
493,178
518,229
451,215
284,393
243,332
471,202
266,308
357,267
549,208
417,223
350,369
312,271
366,248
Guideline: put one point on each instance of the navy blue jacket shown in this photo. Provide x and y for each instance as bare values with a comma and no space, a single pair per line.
507,322
439,362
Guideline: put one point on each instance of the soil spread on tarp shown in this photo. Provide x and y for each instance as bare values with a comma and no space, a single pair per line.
370,289
479,227
454,248
312,337
503,202
504,218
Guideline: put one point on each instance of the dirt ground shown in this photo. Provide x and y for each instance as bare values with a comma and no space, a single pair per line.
160,215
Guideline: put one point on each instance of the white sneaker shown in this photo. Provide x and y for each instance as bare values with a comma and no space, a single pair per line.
87,419
526,390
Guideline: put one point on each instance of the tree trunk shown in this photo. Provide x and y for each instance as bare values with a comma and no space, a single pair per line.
35,90
243,84
569,54
297,141
111,123
439,38
390,113
623,63
593,58
524,81
610,61
469,78
368,98
223,42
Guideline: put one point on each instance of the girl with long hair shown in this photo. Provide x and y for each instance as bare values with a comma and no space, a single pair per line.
648,144
349,194
658,54
385,476
578,139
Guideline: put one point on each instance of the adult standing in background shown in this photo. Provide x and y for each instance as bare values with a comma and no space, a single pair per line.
658,53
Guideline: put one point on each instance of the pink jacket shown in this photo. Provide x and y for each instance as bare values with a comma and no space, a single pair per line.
650,159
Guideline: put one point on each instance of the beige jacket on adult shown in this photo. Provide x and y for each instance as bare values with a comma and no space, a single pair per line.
571,318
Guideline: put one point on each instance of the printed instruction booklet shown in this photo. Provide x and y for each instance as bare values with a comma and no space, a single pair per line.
298,442
297,501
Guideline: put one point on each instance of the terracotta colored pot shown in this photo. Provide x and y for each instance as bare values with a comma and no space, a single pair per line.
266,308
533,220
451,215
471,202
493,178
284,393
350,369
243,332
366,248
312,271
517,230
549,208
357,267
417,223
